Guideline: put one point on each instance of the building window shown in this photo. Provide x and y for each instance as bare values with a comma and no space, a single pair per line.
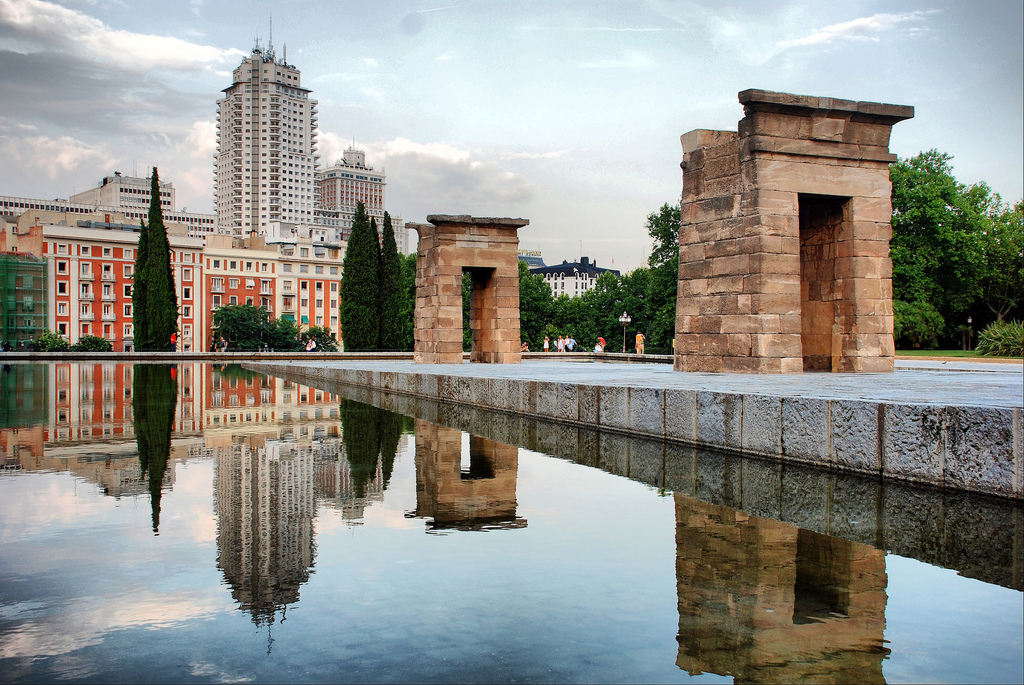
127,310
334,287
318,269
232,265
304,252
62,328
287,268
232,282
128,254
128,269
304,268
62,267
334,271
62,288
106,252
216,301
127,291
233,300
248,266
127,329
216,264
86,269
62,308
186,274
250,283
62,249
186,293
85,249
186,312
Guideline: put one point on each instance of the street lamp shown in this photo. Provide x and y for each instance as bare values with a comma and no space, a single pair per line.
970,332
625,321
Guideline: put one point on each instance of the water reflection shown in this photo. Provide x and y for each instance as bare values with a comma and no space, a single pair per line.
155,387
476,494
767,602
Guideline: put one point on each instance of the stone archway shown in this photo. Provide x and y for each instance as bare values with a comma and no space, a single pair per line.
784,244
488,249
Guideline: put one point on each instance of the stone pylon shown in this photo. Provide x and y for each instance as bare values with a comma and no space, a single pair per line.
488,249
784,244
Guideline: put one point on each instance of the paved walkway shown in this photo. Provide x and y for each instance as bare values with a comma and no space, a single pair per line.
914,382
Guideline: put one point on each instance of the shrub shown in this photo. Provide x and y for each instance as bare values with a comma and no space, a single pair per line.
916,324
92,343
48,341
1002,339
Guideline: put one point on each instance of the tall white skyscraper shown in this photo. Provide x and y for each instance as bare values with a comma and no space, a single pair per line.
266,150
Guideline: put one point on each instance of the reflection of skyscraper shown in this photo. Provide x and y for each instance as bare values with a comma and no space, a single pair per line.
336,488
767,602
481,495
265,509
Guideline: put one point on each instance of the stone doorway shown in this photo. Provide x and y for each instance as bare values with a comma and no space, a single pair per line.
488,249
822,219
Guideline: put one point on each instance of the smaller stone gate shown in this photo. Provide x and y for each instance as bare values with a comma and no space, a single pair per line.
488,249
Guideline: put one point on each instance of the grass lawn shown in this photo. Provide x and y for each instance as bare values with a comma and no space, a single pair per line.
968,354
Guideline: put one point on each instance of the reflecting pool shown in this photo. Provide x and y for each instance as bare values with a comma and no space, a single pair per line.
202,523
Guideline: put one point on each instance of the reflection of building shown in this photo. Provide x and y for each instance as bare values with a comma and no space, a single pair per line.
471,494
767,602
336,487
265,509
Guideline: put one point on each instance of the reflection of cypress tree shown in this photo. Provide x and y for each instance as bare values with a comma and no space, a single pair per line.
369,434
154,397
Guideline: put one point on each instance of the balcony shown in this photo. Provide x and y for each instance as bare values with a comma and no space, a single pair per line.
87,296
87,317
266,291
217,289
109,297
109,276
87,277
109,317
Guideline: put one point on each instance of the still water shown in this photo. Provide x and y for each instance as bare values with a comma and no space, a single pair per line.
211,524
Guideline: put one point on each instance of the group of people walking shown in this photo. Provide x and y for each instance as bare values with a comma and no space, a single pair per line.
566,343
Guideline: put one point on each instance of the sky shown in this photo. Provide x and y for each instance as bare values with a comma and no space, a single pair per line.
564,113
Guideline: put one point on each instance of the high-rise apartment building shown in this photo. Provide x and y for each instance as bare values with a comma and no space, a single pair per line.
348,181
266,150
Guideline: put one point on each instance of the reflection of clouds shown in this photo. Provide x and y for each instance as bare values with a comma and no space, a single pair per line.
83,623
42,505
193,479
211,672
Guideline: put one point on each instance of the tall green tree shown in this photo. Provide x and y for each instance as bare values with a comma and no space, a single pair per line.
535,305
663,227
407,315
1002,282
360,313
154,300
389,284
937,235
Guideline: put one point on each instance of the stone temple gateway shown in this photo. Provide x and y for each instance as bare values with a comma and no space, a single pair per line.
488,249
784,244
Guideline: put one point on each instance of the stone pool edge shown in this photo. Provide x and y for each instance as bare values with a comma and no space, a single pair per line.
965,448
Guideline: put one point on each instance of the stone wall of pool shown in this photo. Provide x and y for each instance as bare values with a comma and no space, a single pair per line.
957,446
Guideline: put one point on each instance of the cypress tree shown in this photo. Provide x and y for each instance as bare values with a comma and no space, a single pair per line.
360,313
389,290
155,393
154,300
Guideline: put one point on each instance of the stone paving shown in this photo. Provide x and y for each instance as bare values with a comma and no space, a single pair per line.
913,382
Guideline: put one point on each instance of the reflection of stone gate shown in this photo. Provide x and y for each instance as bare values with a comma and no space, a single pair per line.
784,244
486,248
767,602
480,494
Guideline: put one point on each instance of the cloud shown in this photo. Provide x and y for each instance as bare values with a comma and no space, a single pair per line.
864,28
445,56
629,60
53,155
554,154
371,62
49,26
427,178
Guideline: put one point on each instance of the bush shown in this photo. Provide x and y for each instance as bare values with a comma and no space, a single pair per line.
48,341
92,343
916,325
1002,339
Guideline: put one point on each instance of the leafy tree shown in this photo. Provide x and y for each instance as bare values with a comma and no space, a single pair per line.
467,293
154,300
48,341
283,335
154,399
663,227
937,235
916,325
535,306
1002,283
325,341
243,326
92,343
360,316
407,313
389,285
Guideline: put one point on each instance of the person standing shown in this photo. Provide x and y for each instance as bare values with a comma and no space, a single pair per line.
546,343
561,344
640,343
570,343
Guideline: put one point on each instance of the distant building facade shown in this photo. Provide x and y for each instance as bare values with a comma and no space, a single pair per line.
572,279
532,258
348,181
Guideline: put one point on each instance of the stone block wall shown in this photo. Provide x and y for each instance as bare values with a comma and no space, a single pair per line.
784,240
488,248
